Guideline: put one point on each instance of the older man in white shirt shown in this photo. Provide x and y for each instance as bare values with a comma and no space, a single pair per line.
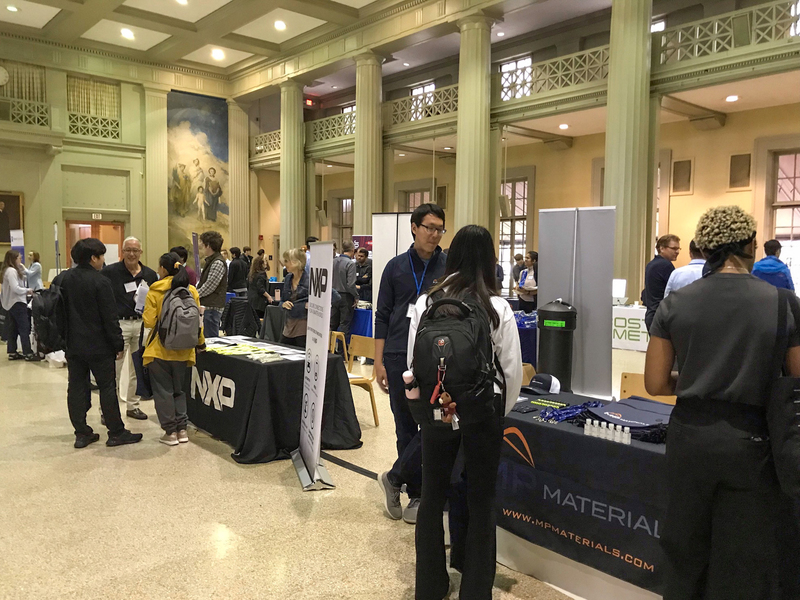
683,276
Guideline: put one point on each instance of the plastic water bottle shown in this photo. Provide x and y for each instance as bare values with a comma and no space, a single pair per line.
626,433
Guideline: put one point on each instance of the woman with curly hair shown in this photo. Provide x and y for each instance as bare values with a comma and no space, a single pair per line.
719,533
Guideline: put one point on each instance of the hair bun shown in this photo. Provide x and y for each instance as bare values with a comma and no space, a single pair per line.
178,265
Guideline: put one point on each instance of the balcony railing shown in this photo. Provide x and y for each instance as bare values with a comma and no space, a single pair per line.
761,24
90,125
267,142
574,69
27,112
414,108
333,127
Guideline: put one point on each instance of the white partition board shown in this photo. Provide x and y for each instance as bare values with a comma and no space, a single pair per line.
576,264
391,235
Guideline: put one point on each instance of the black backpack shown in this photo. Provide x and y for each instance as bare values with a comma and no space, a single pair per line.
453,349
49,319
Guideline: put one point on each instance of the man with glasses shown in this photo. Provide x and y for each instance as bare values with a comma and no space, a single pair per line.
404,279
657,272
125,278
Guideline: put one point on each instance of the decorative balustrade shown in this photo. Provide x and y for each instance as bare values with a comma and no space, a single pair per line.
757,25
432,104
267,142
333,127
27,112
90,125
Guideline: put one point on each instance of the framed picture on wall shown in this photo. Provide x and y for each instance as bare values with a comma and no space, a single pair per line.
739,172
12,215
682,183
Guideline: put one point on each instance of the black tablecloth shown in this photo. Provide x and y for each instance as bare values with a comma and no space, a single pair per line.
597,502
263,421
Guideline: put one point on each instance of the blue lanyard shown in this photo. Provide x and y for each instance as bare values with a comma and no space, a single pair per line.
419,284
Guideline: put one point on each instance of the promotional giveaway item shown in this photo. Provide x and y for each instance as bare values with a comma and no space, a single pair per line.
312,473
556,323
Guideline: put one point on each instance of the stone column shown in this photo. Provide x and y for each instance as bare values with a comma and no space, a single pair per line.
627,131
239,175
313,195
156,232
292,181
368,172
654,135
389,197
474,99
496,147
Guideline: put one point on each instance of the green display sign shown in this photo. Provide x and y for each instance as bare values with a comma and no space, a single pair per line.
555,323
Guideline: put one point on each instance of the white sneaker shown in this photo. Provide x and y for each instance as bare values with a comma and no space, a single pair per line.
170,439
183,436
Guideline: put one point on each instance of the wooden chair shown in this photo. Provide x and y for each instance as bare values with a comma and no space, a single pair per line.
338,335
527,373
363,346
632,384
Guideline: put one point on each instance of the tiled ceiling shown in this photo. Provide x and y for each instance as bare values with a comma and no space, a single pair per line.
28,14
264,28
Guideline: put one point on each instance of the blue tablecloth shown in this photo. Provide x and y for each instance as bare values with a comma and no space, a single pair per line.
362,323
527,341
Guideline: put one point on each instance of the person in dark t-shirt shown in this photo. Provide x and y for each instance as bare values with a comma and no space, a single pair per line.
720,473
657,272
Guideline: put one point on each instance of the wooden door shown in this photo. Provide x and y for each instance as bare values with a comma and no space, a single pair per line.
111,233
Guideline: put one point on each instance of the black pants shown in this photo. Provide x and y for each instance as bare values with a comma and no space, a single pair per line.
526,306
18,323
407,469
79,396
299,341
342,316
719,534
481,444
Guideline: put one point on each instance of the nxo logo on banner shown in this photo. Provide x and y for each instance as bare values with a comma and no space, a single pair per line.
319,282
212,388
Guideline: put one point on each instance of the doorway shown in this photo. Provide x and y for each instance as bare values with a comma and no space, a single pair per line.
111,233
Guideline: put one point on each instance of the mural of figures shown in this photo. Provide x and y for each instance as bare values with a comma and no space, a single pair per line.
197,128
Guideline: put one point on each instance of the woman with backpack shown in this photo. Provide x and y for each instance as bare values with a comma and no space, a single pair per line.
170,348
469,280
14,299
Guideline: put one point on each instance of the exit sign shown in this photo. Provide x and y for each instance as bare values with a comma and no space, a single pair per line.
97,216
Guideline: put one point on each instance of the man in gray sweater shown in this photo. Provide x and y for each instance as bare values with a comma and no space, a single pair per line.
344,282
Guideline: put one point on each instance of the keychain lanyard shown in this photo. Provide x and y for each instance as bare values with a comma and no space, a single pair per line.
419,284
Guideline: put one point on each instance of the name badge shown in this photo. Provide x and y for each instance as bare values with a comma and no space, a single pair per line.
410,311
130,287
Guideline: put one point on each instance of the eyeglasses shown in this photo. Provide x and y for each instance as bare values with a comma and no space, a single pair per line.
434,230
132,250
673,248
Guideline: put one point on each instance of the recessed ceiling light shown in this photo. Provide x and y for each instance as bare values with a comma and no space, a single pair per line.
12,8
183,2
447,148
731,98
563,126
126,33
500,33
401,154
333,87
502,139
406,65
280,25
217,54
329,166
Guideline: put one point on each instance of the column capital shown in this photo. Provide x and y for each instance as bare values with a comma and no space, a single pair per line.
156,89
369,58
234,104
476,21
292,84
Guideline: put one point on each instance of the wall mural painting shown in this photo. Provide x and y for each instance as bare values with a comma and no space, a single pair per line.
197,129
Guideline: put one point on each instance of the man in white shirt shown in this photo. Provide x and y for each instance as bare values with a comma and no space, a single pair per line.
683,276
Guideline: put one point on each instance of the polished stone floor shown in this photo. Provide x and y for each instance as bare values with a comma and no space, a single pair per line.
151,521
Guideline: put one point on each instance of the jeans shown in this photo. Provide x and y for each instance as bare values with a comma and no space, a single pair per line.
18,323
407,469
721,517
79,399
481,444
211,321
167,378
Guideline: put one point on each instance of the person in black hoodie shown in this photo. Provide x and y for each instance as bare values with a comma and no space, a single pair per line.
237,273
94,342
257,291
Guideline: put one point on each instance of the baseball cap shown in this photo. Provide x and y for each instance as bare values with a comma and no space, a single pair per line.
544,384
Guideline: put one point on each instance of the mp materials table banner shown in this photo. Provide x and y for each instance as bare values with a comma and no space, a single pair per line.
317,343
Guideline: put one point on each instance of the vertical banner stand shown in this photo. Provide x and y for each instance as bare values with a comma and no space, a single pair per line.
306,459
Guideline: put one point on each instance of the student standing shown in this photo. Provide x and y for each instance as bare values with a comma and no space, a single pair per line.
719,531
167,367
94,340
14,298
657,272
213,282
364,275
528,287
404,279
344,282
770,268
34,272
257,295
294,298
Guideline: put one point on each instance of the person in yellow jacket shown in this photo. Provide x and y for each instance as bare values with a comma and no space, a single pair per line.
167,368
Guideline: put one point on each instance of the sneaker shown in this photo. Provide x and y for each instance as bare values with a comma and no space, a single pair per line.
391,497
170,439
81,441
410,511
32,358
183,436
15,356
126,437
137,413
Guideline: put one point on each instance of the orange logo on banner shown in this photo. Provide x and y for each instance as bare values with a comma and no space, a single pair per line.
514,431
